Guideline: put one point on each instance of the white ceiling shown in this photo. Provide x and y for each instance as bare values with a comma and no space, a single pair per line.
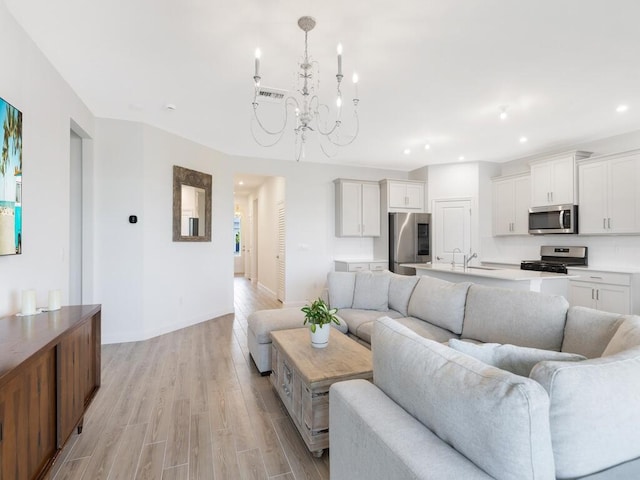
430,71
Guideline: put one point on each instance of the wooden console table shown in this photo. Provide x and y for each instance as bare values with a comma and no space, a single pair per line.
49,373
302,376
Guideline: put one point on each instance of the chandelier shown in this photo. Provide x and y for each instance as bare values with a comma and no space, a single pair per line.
310,114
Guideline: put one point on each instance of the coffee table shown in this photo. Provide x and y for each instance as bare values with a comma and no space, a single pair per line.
303,374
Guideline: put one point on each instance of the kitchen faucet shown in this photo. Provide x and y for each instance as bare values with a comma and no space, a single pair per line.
453,257
468,259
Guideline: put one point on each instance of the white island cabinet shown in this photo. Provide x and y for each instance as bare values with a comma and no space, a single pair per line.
511,278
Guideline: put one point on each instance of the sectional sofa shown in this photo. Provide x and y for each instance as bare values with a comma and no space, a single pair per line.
477,382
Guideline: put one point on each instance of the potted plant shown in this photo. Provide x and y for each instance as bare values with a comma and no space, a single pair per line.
319,317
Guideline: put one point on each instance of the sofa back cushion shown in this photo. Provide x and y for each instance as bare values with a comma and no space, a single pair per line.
400,290
439,302
588,331
341,286
514,359
371,291
527,319
627,336
593,412
498,420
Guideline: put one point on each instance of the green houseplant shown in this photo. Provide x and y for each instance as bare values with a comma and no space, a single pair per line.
319,314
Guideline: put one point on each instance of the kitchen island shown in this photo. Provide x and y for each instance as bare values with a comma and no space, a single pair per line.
514,279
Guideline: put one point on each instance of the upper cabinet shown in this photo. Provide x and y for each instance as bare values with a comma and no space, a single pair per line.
511,205
403,195
609,196
357,208
553,181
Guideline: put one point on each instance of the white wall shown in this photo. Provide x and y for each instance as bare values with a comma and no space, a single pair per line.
48,106
148,284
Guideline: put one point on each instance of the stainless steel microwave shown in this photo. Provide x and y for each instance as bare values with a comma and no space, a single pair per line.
553,219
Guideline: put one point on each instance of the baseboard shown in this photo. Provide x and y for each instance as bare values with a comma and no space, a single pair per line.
268,291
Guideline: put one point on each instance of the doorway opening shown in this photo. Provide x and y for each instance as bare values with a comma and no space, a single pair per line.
259,234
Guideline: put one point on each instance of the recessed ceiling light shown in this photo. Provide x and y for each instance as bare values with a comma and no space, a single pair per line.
503,113
461,158
407,151
524,139
170,107
622,108
427,146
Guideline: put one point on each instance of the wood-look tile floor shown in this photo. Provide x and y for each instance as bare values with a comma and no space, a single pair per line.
189,405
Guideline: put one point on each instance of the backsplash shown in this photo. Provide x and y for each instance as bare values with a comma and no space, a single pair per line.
604,251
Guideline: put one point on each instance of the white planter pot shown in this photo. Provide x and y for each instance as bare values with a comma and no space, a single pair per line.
320,339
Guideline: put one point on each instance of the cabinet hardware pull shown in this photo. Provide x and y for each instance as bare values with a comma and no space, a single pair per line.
0,432
597,278
552,196
592,295
604,223
608,222
598,294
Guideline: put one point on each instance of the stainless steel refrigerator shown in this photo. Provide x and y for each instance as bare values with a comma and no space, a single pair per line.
409,240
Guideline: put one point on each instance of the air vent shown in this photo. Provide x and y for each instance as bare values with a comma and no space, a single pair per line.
272,95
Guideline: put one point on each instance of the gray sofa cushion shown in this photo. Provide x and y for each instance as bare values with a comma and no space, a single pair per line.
427,330
372,437
355,318
518,360
588,331
498,420
528,319
263,322
594,411
400,290
341,286
439,302
371,291
627,336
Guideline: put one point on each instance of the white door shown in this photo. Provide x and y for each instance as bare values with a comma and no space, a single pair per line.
593,197
503,207
370,210
280,259
541,184
452,230
623,197
562,176
351,209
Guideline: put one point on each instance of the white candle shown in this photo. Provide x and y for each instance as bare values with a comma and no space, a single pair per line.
55,300
258,53
28,302
339,59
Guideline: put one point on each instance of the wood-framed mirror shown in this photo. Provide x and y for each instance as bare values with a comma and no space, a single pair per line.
191,205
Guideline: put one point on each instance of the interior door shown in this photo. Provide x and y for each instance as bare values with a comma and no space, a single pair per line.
280,259
451,230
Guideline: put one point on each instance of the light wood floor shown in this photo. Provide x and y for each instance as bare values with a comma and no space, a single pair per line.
189,405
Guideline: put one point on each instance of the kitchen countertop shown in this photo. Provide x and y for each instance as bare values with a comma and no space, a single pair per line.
508,274
590,268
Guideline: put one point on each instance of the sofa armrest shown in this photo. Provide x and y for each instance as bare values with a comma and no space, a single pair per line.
594,413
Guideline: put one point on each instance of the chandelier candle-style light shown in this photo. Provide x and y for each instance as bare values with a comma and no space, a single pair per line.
310,114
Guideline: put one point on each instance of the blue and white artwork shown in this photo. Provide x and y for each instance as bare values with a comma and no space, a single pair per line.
10,180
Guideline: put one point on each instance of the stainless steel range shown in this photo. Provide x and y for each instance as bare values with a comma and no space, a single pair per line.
557,259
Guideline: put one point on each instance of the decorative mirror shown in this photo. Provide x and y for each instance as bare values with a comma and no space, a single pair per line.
191,205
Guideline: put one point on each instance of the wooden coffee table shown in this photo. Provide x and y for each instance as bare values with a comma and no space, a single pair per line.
302,376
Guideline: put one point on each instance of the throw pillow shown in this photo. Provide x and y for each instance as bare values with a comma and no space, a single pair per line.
626,337
400,290
514,359
371,291
340,286
439,302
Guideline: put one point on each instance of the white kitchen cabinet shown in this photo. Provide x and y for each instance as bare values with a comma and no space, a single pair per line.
553,181
608,291
361,265
511,205
403,195
357,208
609,197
